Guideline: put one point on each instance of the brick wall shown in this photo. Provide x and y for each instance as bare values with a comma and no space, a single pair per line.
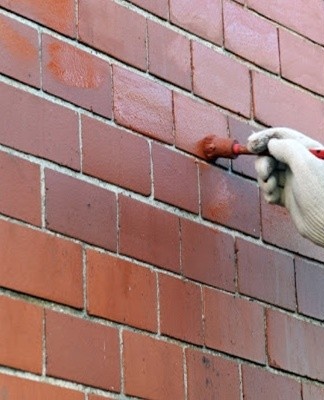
129,267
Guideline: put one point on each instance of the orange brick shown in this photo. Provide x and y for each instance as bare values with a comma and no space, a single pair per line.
250,36
221,79
295,345
21,335
312,392
234,326
201,17
272,387
95,397
160,8
132,295
20,195
40,265
207,255
142,227
124,39
266,274
76,76
82,351
229,200
181,309
143,105
19,51
152,369
58,15
182,178
210,377
36,126
278,104
12,387
116,156
164,45
81,210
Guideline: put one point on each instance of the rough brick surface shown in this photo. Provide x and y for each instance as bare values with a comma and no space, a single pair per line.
312,392
153,369
39,264
160,8
121,291
21,335
82,351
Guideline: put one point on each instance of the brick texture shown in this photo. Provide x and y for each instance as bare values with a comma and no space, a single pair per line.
159,8
312,392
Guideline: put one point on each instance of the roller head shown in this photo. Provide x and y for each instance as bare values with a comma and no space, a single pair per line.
214,147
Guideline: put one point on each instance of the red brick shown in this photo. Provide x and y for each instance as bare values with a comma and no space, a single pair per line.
251,37
149,234
234,325
116,156
279,104
301,61
258,383
312,392
210,377
240,131
20,195
207,255
295,345
12,387
124,39
229,200
152,369
76,76
41,265
95,397
310,288
278,229
132,291
36,126
307,19
169,55
181,309
160,8
143,105
194,121
82,351
81,210
21,335
266,274
19,51
175,174
221,79
58,15
201,17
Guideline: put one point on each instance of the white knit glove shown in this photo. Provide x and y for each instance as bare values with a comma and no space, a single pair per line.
292,177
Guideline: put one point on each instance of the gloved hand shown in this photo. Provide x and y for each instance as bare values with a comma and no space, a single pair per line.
292,177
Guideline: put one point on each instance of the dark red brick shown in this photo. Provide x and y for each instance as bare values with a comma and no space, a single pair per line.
41,265
142,227
153,369
81,210
76,76
19,51
181,309
201,17
175,178
132,298
124,39
21,335
116,156
143,105
210,377
160,8
220,79
207,255
20,195
266,274
36,126
251,36
234,326
82,351
229,200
